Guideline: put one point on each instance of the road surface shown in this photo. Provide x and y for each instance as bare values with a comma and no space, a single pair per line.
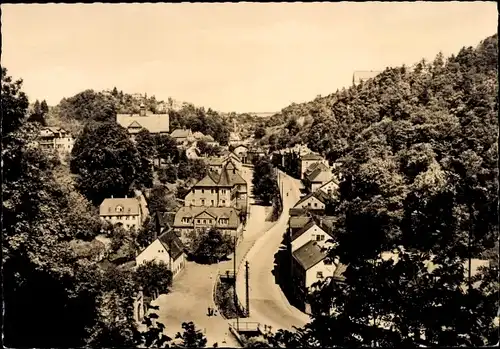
268,304
191,293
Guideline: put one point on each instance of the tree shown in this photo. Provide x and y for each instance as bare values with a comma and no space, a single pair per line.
264,181
88,106
191,337
168,174
166,148
259,132
44,108
38,115
210,246
14,104
154,277
107,162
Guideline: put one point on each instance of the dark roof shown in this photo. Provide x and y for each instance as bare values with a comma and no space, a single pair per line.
298,222
315,166
295,211
318,194
165,219
320,175
226,178
312,222
217,212
309,255
172,243
311,157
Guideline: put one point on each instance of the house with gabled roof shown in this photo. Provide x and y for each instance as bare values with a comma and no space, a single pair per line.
167,248
313,230
314,202
315,178
55,138
224,189
182,136
330,188
310,265
127,212
305,161
190,219
153,123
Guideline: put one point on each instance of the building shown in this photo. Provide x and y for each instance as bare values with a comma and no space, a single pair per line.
163,221
234,139
182,136
255,153
313,230
305,161
313,180
56,138
241,151
309,265
224,189
216,163
330,188
190,219
362,76
198,135
153,123
314,202
210,141
127,212
167,248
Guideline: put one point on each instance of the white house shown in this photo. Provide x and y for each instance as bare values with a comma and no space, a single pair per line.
309,159
318,177
167,248
330,188
241,151
308,267
312,231
313,201
128,212
57,139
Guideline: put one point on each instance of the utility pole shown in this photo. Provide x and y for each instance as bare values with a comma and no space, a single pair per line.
247,289
234,293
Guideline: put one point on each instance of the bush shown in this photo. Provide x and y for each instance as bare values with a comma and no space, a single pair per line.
153,277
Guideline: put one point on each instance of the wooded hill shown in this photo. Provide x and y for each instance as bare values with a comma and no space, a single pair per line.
418,148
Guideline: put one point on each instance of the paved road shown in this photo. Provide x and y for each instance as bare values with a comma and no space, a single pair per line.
268,304
191,293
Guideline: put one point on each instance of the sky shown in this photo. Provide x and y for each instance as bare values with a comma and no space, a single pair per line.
242,57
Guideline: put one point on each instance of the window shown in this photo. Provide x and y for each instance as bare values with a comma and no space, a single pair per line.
308,204
119,209
318,237
203,191
212,202
315,204
319,275
202,202
212,191
223,202
198,221
204,221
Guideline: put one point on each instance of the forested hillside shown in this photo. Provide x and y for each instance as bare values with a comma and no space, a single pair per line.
419,153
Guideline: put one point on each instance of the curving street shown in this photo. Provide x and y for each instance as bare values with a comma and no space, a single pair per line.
268,304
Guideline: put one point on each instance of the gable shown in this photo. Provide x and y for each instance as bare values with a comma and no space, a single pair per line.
310,200
204,215
151,251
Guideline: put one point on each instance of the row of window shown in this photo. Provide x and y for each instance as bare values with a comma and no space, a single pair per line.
212,191
222,221
212,202
120,218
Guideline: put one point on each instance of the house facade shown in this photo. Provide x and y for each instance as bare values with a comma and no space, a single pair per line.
315,202
182,136
309,265
167,248
224,189
197,218
313,231
241,151
330,188
317,175
126,212
153,123
56,138
307,160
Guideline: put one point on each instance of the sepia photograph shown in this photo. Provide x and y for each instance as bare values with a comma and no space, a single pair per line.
245,175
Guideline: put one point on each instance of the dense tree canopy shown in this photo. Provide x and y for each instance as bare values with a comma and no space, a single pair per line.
108,163
418,150
265,184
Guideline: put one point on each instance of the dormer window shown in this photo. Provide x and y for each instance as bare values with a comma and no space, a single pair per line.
119,209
